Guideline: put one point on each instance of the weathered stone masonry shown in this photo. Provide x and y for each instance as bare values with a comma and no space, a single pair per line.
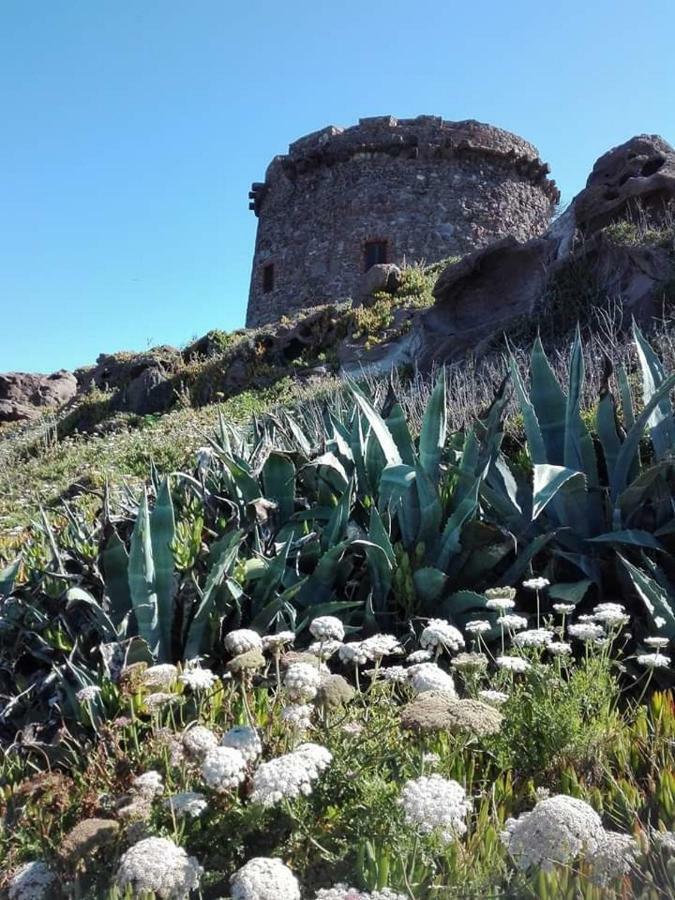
387,190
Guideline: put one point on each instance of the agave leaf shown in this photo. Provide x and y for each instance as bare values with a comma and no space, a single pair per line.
629,449
434,429
278,477
8,577
658,603
331,608
632,536
570,591
548,481
660,422
398,496
115,561
535,441
467,469
380,536
162,533
519,566
222,557
452,532
76,595
550,404
320,585
378,427
430,512
579,449
397,425
605,423
142,579
429,585
336,527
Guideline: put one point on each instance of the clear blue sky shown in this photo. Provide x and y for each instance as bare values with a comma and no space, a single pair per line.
131,130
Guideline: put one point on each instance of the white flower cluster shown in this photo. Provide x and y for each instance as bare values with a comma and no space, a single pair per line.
394,674
275,643
613,857
158,865
88,693
440,633
289,776
501,598
419,656
430,677
496,697
264,878
586,631
187,803
198,740
343,892
432,803
564,609
33,881
223,768
160,676
559,648
301,682
659,643
477,626
198,679
557,830
324,649
242,640
327,628
513,663
297,716
148,785
512,622
534,637
536,584
653,660
244,739
610,614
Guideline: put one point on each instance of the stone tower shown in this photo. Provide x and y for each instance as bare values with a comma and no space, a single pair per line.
387,190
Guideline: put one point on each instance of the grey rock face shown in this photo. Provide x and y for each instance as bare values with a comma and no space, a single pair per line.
24,395
381,277
387,190
477,297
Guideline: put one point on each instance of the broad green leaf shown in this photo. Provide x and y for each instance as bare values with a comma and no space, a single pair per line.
570,591
549,403
434,429
8,577
535,441
278,477
632,536
397,425
656,601
115,561
379,428
660,422
142,580
162,532
548,480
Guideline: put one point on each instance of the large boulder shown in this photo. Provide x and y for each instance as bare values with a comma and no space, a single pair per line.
380,277
23,395
478,297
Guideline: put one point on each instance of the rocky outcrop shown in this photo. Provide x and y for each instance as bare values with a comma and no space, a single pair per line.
25,396
477,298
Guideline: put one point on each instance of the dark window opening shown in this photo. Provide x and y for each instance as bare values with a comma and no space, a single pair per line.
375,253
268,278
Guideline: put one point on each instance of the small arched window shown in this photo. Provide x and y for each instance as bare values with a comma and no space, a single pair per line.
374,253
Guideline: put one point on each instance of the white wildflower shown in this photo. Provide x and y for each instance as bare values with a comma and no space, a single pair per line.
419,656
244,739
612,858
557,830
223,768
610,614
187,803
301,682
242,640
477,626
653,660
324,649
657,642
431,759
298,716
513,663
198,740
497,697
535,637
33,881
88,693
289,776
380,645
158,699
585,631
264,878
500,603
158,865
352,728
354,654
430,677
161,676
198,679
148,785
327,628
564,608
512,622
536,584
274,643
441,634
559,648
435,804
394,674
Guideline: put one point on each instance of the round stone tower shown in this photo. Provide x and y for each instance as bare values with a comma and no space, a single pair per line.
387,190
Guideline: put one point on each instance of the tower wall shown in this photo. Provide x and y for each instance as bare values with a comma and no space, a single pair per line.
423,189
